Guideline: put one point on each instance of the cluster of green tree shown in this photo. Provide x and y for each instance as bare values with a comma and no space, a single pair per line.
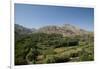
30,47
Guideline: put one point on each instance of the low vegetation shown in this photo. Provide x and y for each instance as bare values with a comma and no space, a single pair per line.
40,48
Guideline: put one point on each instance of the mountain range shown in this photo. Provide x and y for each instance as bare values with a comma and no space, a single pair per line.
65,30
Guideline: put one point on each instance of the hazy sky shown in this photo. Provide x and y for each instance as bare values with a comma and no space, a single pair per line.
36,16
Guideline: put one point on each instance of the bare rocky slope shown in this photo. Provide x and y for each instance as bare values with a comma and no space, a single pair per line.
65,30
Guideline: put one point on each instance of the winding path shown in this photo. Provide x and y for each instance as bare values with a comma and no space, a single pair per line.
29,53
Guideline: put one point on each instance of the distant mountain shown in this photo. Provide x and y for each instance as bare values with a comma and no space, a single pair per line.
65,30
22,30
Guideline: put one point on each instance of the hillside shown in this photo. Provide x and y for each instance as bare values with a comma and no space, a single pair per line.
53,44
21,31
65,30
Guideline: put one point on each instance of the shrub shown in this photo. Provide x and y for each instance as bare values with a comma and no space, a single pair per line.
62,58
20,61
58,58
75,54
73,42
86,56
50,59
